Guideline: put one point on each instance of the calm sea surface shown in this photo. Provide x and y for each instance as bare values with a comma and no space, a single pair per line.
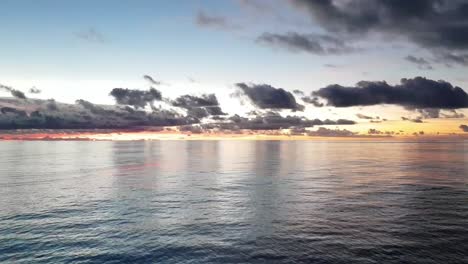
233,202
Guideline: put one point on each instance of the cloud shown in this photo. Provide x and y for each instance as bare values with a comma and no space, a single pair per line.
422,63
199,106
426,113
312,100
34,90
92,107
15,93
452,58
187,101
298,92
374,131
420,133
297,131
128,113
266,96
418,92
51,105
437,25
452,114
151,80
91,35
195,129
135,98
309,43
429,112
414,120
214,111
464,128
38,114
326,132
267,122
218,22
18,94
13,111
272,121
361,116
202,112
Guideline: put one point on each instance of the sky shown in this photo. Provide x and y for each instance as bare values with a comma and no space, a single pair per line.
244,51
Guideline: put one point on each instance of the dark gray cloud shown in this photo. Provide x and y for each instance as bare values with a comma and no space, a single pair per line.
418,92
199,106
414,120
429,23
298,92
187,101
13,111
197,112
361,116
151,80
429,113
422,63
272,121
313,100
15,93
34,90
452,58
218,22
297,131
464,128
326,132
374,131
310,43
195,129
37,114
420,133
269,121
214,111
95,109
426,113
266,96
135,98
51,105
202,112
18,94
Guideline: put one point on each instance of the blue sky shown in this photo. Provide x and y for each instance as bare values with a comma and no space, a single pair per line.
161,38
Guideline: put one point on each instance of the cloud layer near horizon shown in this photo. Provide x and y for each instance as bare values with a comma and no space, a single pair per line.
137,108
148,108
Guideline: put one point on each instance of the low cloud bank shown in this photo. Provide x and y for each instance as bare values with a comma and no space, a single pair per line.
413,93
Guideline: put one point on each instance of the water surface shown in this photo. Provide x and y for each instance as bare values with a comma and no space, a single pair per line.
233,202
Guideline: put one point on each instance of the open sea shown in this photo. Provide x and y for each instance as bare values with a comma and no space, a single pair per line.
233,202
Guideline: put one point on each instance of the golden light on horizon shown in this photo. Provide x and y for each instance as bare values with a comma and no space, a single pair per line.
155,136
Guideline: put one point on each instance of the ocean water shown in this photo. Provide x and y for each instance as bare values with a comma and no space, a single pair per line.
233,202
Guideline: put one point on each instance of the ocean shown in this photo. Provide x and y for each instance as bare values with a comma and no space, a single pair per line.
233,202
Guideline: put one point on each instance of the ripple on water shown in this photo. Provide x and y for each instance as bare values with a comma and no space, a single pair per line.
233,202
